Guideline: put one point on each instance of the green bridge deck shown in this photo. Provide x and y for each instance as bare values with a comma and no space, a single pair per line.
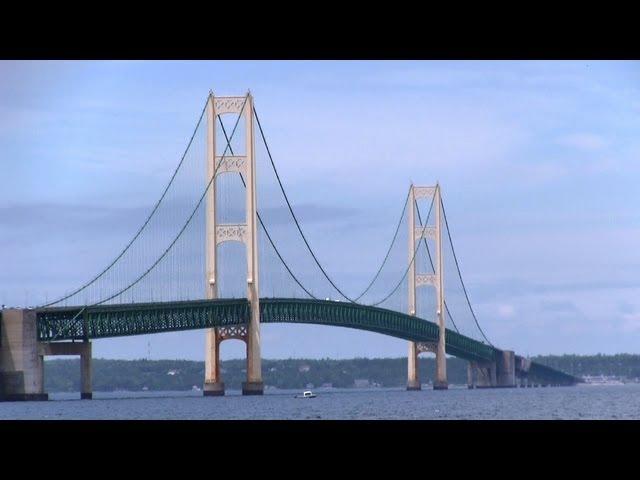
80,323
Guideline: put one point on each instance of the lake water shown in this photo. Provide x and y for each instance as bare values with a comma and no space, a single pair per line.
581,402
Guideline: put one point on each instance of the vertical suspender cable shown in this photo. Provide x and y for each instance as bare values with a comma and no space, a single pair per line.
263,225
146,222
460,275
304,238
446,307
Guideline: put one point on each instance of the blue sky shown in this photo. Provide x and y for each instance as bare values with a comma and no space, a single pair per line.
539,164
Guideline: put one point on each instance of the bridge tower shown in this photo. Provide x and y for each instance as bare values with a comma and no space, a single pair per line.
245,233
435,280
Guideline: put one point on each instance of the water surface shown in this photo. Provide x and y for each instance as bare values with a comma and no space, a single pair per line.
581,402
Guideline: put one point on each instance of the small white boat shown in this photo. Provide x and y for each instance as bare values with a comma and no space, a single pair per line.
306,394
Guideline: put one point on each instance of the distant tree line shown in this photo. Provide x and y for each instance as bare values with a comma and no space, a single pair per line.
63,375
622,365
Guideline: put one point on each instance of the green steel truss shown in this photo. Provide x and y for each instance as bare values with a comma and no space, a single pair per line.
78,323
74,323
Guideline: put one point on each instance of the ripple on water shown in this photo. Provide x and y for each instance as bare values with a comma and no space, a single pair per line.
581,402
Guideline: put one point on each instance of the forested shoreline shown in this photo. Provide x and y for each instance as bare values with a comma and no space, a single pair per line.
63,375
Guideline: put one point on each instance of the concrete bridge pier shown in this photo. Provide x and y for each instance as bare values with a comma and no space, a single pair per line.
22,358
477,375
21,364
471,377
413,377
481,375
522,366
499,373
86,376
83,349
86,379
506,369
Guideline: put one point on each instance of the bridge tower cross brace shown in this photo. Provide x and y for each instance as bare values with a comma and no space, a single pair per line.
435,280
246,233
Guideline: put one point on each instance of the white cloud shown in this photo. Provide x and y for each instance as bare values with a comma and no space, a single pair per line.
506,311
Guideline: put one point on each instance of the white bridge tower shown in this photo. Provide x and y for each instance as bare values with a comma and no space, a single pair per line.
245,233
427,279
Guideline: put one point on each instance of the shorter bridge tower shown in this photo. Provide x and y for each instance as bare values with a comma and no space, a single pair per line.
245,233
427,279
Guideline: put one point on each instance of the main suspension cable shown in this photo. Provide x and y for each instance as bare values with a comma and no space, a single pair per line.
415,251
262,223
395,235
184,227
304,238
295,219
464,288
146,222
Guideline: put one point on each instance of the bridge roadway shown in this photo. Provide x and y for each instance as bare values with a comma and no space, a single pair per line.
76,323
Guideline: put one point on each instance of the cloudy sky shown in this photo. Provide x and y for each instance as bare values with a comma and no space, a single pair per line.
539,164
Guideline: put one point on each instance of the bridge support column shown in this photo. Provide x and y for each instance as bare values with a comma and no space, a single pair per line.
522,366
21,364
253,385
484,374
506,369
472,371
83,349
213,386
86,391
413,377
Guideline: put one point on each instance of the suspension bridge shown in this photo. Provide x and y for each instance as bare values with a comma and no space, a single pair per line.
206,257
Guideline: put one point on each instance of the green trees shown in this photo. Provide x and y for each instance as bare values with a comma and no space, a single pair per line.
623,365
63,375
